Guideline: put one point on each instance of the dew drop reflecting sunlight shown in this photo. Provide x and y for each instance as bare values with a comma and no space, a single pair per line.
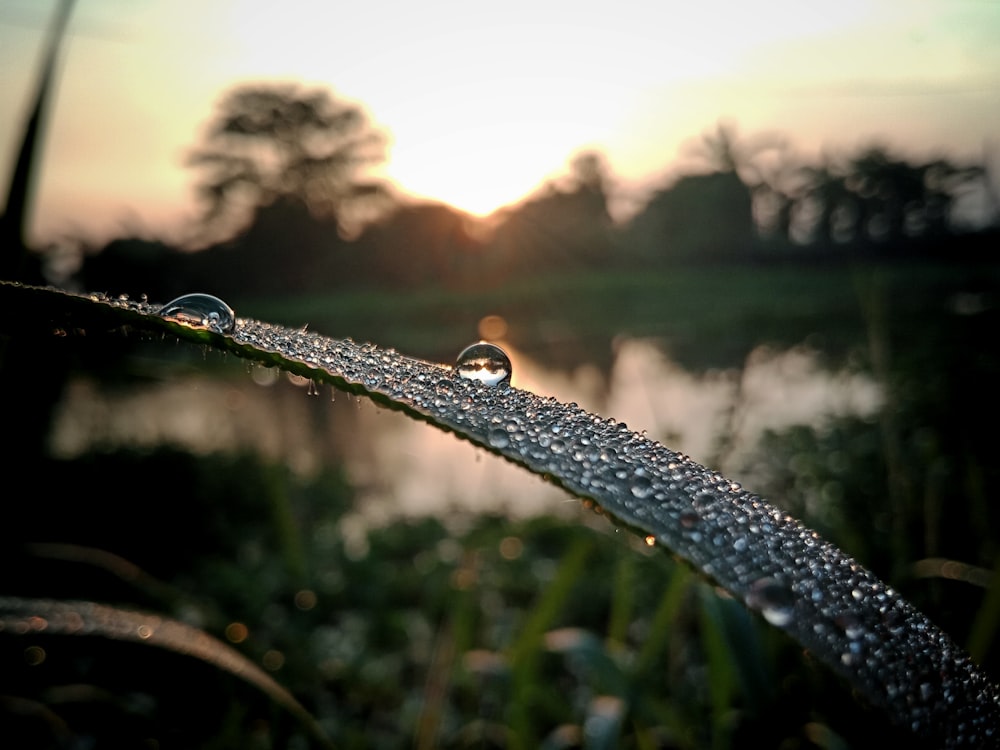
485,362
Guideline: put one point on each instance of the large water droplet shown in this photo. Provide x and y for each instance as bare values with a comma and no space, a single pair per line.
200,311
773,599
498,438
484,362
642,487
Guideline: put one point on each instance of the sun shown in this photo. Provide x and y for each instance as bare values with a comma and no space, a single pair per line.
476,170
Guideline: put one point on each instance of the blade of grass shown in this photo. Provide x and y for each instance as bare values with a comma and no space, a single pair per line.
14,219
81,618
526,651
721,669
622,603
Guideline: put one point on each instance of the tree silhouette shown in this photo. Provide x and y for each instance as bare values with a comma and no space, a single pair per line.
888,187
903,199
562,225
703,215
839,214
589,171
723,150
279,141
720,149
944,182
780,190
699,216
763,163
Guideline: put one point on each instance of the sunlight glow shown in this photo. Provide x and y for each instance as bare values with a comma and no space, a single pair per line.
484,104
483,107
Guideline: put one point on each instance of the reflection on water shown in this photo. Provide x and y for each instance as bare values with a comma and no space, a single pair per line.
717,418
401,466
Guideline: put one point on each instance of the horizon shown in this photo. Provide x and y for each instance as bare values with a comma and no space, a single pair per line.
514,96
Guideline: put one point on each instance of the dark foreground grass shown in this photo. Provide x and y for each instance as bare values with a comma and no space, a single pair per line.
487,633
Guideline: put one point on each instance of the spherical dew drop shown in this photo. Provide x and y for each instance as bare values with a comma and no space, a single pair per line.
485,362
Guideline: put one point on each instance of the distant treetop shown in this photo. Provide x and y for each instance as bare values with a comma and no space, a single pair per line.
271,141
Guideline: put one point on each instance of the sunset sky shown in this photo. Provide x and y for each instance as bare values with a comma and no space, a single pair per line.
484,101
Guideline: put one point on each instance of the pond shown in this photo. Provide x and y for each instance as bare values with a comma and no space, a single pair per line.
399,466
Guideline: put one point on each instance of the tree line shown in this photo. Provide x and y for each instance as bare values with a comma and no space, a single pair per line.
283,177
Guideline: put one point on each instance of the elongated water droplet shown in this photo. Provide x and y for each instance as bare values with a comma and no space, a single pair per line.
200,311
484,362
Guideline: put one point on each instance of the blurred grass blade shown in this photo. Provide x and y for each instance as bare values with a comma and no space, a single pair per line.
856,624
664,620
526,650
622,602
591,659
987,621
81,618
721,667
13,223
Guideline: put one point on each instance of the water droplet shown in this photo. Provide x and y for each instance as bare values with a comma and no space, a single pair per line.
851,624
498,438
641,487
689,518
484,362
200,311
773,599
